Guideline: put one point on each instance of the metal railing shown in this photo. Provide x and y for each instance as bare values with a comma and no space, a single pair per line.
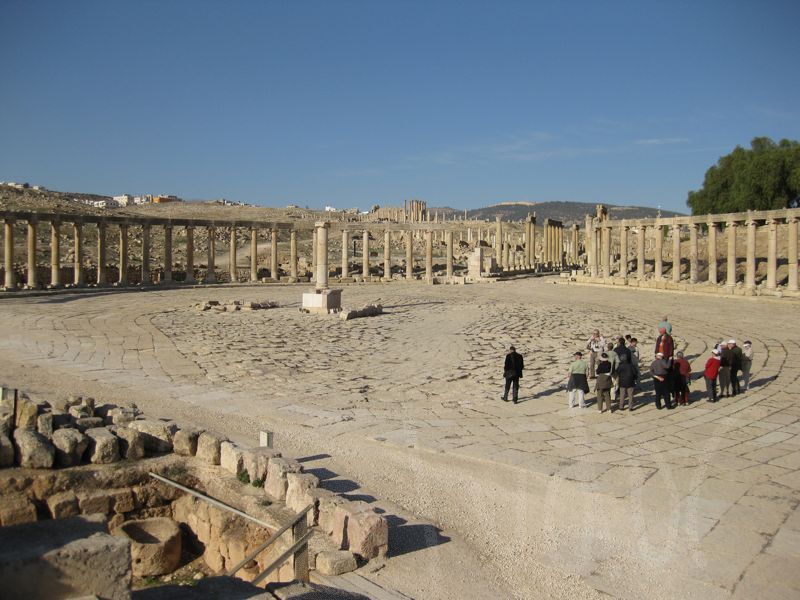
298,525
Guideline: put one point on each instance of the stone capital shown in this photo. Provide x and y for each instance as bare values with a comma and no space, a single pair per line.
322,224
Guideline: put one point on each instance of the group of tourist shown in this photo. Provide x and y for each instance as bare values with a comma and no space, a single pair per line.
616,371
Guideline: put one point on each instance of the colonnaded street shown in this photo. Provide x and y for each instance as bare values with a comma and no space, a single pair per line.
488,499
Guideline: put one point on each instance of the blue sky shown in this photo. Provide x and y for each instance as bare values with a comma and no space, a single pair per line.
354,103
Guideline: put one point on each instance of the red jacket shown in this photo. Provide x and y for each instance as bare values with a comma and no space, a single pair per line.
665,345
684,367
712,367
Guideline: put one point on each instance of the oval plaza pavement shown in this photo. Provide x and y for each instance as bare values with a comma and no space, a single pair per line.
698,502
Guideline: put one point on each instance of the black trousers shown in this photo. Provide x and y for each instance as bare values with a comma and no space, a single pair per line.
735,388
662,391
509,382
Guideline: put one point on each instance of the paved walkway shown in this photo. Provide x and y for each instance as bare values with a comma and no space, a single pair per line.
701,501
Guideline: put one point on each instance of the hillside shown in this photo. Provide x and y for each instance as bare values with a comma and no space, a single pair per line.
567,212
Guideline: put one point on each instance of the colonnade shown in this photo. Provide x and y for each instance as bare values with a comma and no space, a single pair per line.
515,247
650,235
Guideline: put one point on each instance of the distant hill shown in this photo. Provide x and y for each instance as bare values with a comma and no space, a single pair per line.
567,212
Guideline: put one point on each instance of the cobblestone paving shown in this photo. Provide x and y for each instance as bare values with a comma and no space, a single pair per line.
715,488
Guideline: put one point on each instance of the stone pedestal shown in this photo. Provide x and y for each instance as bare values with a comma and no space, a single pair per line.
322,302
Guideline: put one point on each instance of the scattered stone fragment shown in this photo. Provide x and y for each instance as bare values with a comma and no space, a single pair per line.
256,461
94,501
27,413
63,505
336,562
80,411
103,446
277,469
184,442
44,424
6,423
231,457
33,450
16,509
88,423
208,447
131,443
298,486
70,446
157,434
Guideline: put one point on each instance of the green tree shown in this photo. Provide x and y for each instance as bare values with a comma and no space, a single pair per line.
767,176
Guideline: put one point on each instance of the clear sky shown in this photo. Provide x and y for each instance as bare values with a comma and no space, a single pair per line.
354,103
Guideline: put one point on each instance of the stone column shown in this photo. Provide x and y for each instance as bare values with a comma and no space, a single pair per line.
791,246
449,253
123,254
387,255
55,253
189,255
605,240
498,241
693,253
33,280
365,255
211,275
623,251
576,251
772,254
322,255
409,255
77,250
293,256
273,255
712,253
659,252
589,240
561,246
429,256
145,253
546,241
730,278
167,253
345,253
232,254
676,253
253,254
101,254
8,254
314,252
750,272
641,236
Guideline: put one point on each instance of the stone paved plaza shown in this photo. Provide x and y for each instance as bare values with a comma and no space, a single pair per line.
699,502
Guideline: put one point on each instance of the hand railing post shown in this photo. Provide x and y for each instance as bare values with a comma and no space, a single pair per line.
299,530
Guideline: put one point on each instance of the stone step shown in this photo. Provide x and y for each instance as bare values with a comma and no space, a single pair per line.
356,583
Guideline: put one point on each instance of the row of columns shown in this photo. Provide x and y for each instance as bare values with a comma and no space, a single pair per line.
78,276
731,229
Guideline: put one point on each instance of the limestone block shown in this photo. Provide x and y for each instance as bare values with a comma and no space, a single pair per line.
256,461
63,404
327,502
155,545
277,469
368,534
33,450
89,403
120,416
44,424
208,447
27,413
122,500
103,446
70,446
343,513
86,423
61,419
94,501
63,505
6,452
297,488
184,442
6,423
16,509
67,558
335,562
131,443
80,412
230,457
157,434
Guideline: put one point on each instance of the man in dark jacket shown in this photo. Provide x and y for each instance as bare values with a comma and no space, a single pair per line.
660,369
512,371
627,381
736,366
